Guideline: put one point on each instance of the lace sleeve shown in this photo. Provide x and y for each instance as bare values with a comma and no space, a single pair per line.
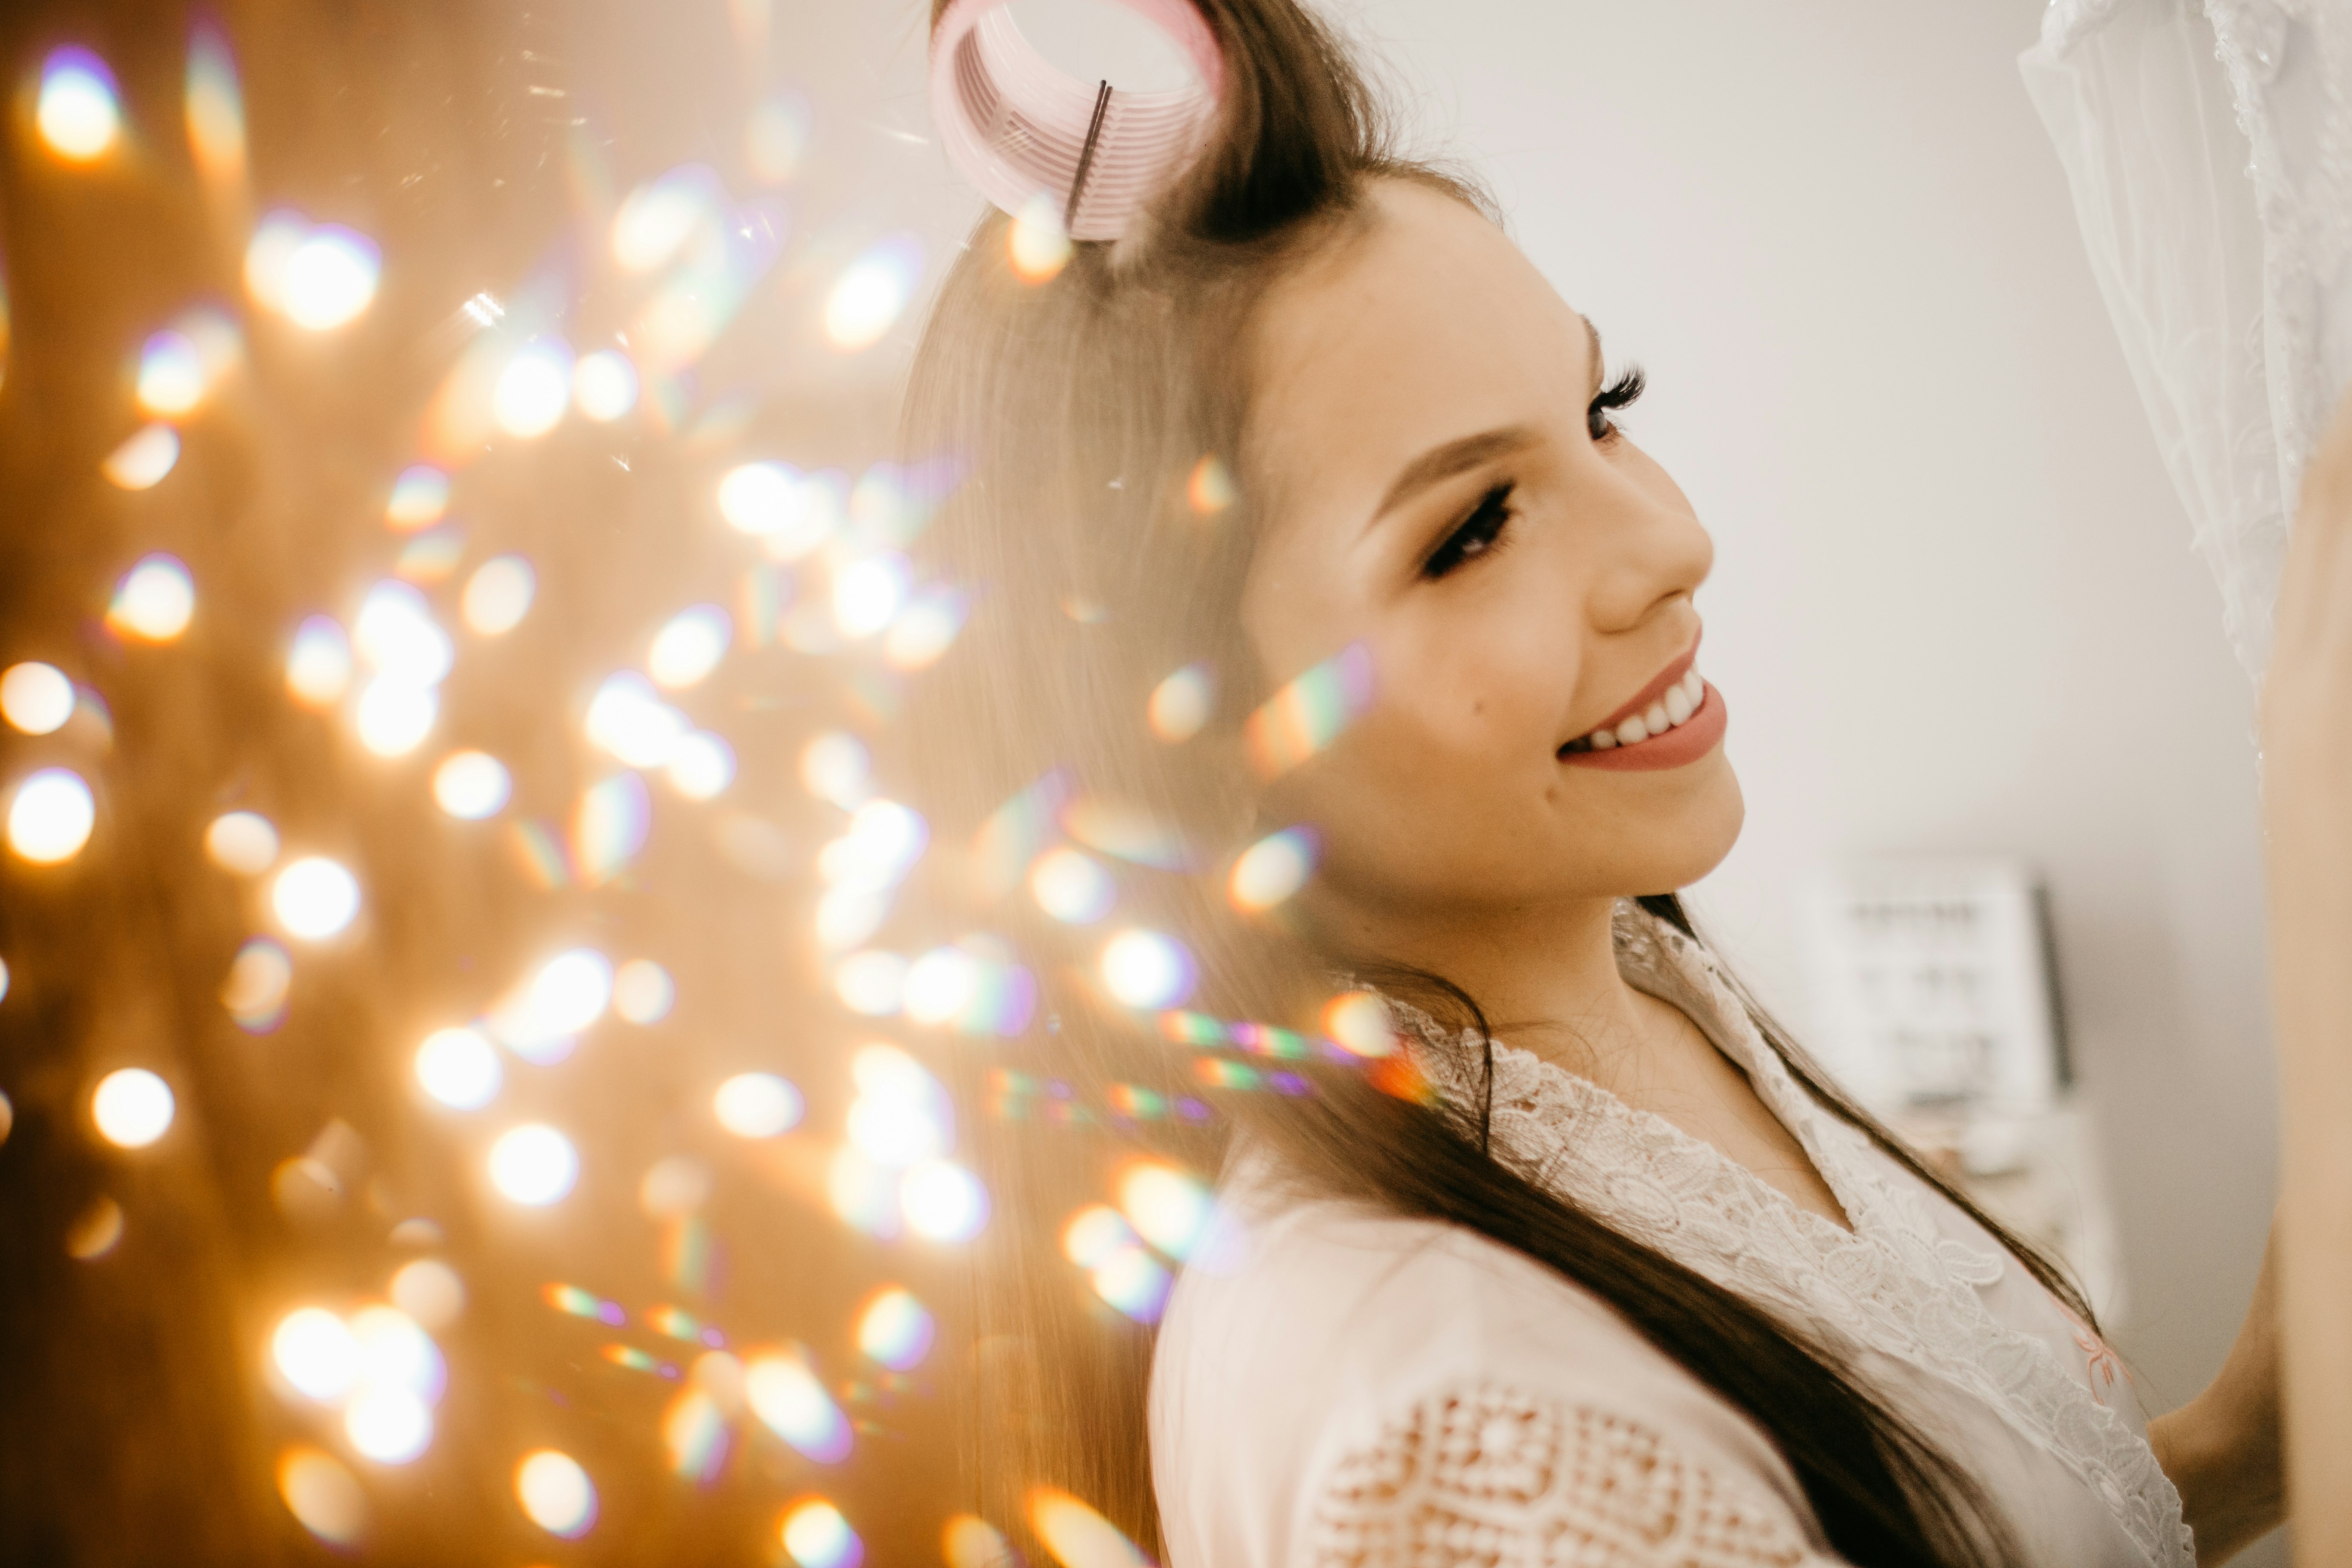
1489,1476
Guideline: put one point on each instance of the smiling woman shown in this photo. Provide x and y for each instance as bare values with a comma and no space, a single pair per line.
1618,1275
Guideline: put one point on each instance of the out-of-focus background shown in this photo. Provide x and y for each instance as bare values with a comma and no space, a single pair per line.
336,332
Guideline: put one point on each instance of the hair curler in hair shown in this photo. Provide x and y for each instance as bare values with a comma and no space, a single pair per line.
1018,128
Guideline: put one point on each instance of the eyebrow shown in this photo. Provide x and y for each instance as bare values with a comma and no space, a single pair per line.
1442,462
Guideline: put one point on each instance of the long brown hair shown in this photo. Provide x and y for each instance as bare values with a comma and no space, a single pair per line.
1081,409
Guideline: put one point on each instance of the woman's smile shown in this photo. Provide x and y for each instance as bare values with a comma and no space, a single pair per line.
1671,723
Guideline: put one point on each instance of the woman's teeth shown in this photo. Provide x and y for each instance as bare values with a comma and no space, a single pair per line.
1682,700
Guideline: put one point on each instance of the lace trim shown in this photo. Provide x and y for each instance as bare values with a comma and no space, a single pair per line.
1488,1475
1895,1284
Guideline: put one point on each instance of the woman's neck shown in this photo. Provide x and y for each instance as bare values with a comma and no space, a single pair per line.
1546,976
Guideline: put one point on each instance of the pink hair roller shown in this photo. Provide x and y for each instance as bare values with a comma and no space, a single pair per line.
1017,128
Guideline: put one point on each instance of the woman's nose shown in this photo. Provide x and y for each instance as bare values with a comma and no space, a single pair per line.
1653,550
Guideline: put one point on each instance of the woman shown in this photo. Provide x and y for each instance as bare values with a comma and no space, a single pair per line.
1618,1279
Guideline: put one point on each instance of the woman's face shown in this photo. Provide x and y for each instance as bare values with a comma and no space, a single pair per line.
1441,486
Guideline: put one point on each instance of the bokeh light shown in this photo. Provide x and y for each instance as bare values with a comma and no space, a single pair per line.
756,1105
1134,1281
390,1426
324,1495
900,1116
867,595
316,1352
216,107
1210,488
314,897
459,1069
609,827
35,697
132,1108
656,220
786,1396
605,385
429,1291
815,1535
78,113
924,630
319,665
1146,969
396,634
1273,868
688,646
1126,830
871,982
643,992
144,459
498,594
1182,704
471,786
702,766
1170,1208
895,1328
1076,1535
95,1230
791,513
943,1202
242,841
834,767
872,293
1359,1023
327,278
628,719
534,389
556,1493
968,1540
566,994
394,716
396,1352
258,980
1310,712
776,137
1072,886
1037,244
533,1164
50,816
1096,1234
420,497
171,374
1099,1239
154,600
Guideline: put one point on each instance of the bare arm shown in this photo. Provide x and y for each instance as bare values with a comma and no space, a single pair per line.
2307,723
2222,1447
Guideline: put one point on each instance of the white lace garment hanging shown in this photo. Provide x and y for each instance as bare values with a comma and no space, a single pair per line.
2209,152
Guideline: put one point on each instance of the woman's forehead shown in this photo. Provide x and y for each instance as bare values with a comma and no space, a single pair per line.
1425,326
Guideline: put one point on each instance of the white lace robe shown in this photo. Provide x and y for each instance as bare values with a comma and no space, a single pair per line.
2209,147
1360,1389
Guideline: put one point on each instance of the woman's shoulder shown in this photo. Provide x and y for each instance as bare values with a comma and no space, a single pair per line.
1350,1378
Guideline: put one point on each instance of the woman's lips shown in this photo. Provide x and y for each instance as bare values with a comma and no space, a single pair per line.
1679,746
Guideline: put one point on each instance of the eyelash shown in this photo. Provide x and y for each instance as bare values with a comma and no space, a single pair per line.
1480,534
1621,392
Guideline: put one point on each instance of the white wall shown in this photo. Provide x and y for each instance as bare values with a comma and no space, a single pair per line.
1955,608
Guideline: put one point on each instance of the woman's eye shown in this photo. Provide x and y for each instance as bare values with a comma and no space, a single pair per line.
1479,534
1619,393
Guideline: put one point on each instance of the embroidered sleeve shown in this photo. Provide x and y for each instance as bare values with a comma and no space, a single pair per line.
1488,1476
